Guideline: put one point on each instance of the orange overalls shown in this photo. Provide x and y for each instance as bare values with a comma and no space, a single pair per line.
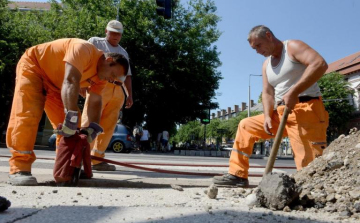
306,128
39,77
112,101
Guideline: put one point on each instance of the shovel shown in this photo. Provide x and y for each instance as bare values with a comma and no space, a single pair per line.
275,147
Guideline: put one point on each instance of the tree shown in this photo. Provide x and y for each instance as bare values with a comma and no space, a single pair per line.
174,62
189,132
336,91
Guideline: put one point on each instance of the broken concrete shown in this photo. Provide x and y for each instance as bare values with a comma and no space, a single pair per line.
212,191
332,181
276,191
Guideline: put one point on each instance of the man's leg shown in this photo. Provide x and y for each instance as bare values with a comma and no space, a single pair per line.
307,131
54,109
26,112
249,131
113,100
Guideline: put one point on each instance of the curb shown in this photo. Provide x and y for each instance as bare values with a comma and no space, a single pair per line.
225,154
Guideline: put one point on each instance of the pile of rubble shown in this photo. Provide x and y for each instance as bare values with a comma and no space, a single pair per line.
332,181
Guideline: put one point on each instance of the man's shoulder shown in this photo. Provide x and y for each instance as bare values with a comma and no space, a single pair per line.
96,39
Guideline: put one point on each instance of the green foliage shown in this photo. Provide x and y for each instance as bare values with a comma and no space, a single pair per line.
174,62
195,128
189,132
334,87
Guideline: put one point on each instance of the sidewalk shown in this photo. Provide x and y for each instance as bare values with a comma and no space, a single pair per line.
205,153
213,153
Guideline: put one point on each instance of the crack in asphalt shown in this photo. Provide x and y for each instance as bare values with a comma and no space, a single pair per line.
24,216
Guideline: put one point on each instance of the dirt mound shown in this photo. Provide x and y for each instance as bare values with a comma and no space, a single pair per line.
332,181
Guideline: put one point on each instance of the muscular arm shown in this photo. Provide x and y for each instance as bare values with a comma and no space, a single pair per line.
71,87
315,69
267,99
129,99
94,109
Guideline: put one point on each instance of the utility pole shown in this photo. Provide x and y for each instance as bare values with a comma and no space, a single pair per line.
249,92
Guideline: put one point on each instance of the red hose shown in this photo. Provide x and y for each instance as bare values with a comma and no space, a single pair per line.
162,171
131,165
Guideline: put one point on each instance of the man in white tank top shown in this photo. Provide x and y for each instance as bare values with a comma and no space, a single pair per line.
290,73
112,96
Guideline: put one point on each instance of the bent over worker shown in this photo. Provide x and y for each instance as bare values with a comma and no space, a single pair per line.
49,76
290,73
113,96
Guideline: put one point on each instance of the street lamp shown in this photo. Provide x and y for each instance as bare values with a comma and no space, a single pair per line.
249,91
117,2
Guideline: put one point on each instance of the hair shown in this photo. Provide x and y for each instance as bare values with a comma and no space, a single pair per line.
259,31
119,59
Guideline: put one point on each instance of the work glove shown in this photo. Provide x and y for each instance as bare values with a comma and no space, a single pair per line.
92,131
70,124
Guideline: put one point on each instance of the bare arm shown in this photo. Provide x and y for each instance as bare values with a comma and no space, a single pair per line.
315,69
95,106
71,87
129,99
267,99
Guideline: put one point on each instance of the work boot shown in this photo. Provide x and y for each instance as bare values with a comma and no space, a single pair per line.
103,167
230,180
22,178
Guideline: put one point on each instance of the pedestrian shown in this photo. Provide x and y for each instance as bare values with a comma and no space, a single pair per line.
212,146
267,147
137,132
49,76
165,140
144,141
113,95
158,141
290,73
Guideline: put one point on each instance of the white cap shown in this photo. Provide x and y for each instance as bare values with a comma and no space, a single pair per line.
115,26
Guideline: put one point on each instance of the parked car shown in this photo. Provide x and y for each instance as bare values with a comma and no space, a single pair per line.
121,141
52,141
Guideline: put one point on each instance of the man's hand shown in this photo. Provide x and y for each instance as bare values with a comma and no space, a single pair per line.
290,100
129,102
83,92
70,124
92,131
268,125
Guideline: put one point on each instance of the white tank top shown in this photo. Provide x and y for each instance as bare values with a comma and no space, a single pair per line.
286,74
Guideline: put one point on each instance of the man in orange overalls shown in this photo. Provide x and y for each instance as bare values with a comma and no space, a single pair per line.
49,76
290,73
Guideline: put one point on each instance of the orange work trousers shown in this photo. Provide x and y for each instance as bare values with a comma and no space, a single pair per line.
306,128
112,101
33,93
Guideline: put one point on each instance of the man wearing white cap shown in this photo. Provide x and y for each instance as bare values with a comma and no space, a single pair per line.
112,96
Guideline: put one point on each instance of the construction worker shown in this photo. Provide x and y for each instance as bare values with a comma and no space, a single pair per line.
49,76
113,96
290,73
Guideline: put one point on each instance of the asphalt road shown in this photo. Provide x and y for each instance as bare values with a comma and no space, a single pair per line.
133,195
42,169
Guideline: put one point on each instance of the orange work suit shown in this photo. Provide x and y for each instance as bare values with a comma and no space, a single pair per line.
39,77
112,101
306,128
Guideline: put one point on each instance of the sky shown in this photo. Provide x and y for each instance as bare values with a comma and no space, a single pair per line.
331,27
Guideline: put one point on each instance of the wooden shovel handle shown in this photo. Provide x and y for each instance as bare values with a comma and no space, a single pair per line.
277,141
